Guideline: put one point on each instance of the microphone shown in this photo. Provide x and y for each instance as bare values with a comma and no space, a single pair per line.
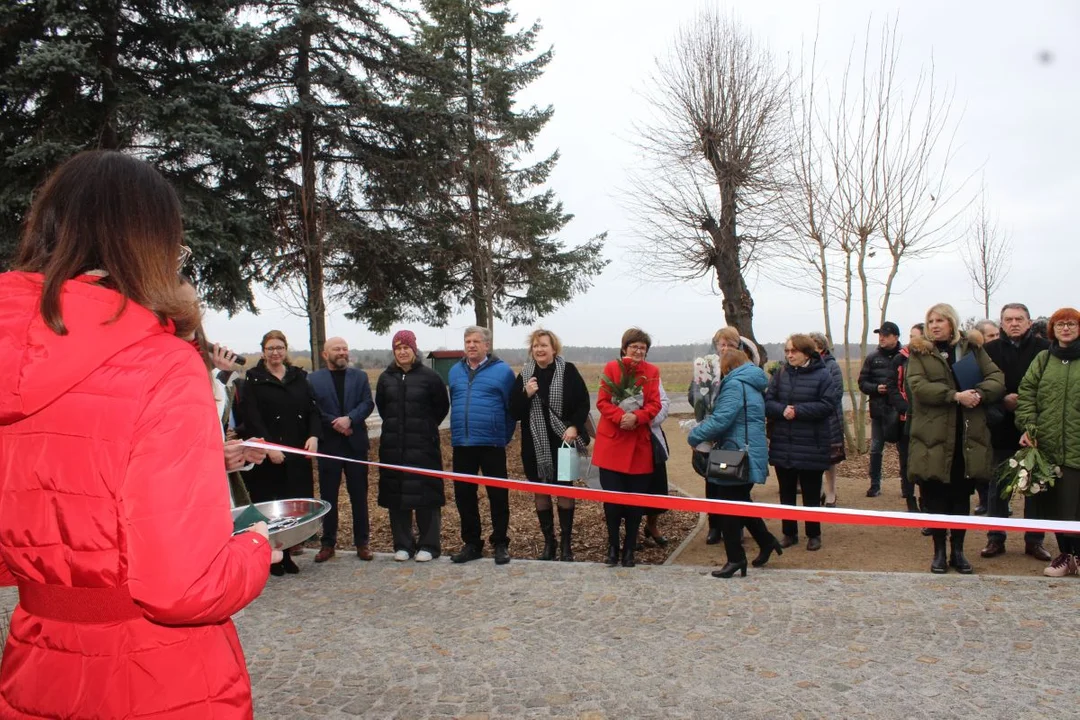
240,360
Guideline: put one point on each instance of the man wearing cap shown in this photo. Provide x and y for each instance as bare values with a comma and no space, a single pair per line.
343,397
873,381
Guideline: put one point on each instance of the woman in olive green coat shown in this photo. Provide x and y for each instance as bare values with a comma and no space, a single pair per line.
946,420
1049,402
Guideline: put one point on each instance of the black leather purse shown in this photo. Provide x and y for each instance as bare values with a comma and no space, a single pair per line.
730,467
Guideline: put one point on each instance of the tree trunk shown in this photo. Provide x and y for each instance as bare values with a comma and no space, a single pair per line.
852,436
825,302
109,136
481,275
738,304
860,416
310,235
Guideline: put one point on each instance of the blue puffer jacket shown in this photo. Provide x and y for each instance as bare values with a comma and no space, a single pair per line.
480,404
730,428
802,443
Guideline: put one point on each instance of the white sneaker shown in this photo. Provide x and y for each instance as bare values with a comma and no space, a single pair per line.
1063,565
423,556
401,556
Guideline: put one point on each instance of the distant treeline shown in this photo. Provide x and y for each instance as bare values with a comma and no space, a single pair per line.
516,356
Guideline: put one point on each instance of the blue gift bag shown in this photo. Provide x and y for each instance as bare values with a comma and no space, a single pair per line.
569,464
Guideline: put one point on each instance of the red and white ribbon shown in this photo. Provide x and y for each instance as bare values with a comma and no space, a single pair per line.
767,511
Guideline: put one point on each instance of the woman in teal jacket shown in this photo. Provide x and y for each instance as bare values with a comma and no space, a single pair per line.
738,422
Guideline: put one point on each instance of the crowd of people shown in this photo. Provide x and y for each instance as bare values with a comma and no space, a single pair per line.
122,428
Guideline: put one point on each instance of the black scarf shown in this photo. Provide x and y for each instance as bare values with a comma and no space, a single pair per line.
1070,352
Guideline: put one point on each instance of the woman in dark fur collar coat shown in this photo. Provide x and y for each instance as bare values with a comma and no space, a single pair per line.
950,440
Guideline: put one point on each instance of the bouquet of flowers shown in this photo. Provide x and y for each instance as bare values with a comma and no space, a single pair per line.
626,390
1027,471
704,388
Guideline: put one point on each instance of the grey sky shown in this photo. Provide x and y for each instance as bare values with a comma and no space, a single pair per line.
1019,125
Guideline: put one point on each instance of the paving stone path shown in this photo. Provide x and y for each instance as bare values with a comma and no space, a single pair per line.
389,640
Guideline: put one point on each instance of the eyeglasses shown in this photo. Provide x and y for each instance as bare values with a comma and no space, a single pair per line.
1066,325
275,349
637,348
185,255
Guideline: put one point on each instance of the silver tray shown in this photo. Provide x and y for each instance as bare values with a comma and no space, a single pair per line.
291,521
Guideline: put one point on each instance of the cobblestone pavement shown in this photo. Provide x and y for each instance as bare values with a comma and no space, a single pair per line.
530,639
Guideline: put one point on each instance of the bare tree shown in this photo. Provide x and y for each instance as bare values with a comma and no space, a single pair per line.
714,152
986,254
870,186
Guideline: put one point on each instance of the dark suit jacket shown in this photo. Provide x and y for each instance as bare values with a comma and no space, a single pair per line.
358,406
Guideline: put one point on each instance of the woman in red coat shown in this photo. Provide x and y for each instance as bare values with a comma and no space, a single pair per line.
623,450
114,520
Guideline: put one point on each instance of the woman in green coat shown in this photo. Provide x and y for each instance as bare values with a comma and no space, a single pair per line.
950,441
1049,403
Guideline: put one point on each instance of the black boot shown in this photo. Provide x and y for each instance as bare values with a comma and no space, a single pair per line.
628,552
714,537
612,555
547,527
957,559
939,564
912,504
289,565
566,530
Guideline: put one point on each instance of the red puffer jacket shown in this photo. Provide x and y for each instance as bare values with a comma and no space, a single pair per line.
112,477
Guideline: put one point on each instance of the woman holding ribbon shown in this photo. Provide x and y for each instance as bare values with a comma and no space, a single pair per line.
114,517
951,382
628,400
280,407
551,401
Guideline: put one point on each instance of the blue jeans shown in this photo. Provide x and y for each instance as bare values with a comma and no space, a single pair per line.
999,507
877,447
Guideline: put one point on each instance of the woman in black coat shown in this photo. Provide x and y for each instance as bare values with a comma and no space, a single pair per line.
800,404
278,406
412,401
552,403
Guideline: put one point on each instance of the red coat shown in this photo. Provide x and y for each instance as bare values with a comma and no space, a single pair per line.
627,451
112,475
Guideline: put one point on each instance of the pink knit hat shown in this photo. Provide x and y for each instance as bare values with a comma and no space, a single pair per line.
405,337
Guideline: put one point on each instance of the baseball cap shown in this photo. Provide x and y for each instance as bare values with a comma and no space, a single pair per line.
888,328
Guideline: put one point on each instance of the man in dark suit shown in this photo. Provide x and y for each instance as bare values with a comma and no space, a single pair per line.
343,396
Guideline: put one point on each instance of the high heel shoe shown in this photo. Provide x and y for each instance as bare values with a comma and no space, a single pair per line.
729,570
766,553
288,564
659,539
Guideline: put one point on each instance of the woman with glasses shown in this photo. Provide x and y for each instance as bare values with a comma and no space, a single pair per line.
950,443
114,520
624,451
801,403
278,406
1049,402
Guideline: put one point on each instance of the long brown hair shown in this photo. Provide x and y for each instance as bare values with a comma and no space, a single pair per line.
103,210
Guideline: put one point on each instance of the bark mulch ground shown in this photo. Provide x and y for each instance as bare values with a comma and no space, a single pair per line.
526,541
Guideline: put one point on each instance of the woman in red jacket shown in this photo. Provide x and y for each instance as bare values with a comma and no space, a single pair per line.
114,520
623,450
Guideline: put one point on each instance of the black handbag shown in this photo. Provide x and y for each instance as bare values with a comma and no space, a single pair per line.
728,467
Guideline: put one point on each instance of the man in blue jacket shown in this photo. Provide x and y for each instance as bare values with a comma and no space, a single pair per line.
480,429
343,396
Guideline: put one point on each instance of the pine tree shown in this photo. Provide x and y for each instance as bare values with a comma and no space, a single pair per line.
495,231
347,156
150,78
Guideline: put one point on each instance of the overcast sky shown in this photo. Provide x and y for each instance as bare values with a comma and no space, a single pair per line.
1019,129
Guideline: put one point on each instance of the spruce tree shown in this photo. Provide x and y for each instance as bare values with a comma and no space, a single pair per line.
151,78
494,227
